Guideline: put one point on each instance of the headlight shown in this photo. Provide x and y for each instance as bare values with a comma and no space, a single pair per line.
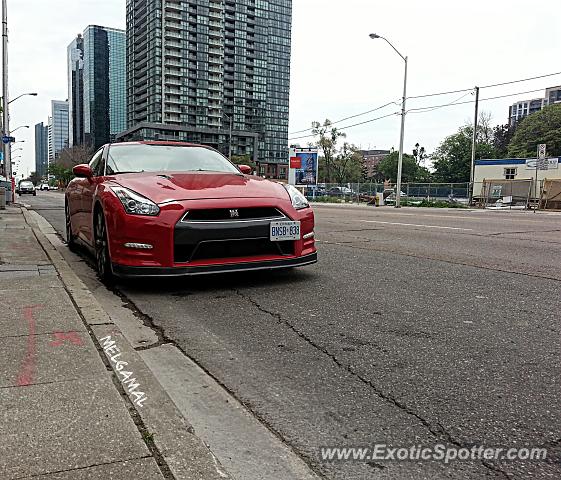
134,203
298,200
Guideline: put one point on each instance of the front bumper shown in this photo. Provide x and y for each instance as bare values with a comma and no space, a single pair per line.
128,271
194,246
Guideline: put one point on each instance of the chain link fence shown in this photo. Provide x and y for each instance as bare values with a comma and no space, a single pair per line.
385,193
490,194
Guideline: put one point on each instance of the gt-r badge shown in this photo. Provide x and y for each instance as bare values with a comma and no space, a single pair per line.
234,213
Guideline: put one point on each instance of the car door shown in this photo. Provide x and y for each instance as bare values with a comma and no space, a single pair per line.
89,187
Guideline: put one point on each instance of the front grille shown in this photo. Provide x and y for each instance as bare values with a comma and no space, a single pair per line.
221,214
216,249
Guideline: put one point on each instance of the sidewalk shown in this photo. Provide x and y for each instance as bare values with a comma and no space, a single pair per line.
76,399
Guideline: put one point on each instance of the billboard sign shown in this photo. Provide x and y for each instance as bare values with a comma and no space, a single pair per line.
303,166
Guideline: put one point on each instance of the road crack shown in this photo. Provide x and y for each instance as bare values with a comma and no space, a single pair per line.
438,430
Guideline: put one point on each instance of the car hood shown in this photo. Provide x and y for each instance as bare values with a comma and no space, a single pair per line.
169,186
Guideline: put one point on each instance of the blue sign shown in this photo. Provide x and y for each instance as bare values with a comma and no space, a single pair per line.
7,139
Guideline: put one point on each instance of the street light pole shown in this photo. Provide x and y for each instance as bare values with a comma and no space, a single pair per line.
5,102
402,133
33,94
17,128
401,138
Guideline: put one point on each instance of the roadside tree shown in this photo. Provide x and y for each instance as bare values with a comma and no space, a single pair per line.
411,171
327,143
540,127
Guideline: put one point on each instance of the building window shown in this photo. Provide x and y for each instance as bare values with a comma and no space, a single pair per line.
510,173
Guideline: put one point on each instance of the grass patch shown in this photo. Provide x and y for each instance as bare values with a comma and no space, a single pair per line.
326,199
432,204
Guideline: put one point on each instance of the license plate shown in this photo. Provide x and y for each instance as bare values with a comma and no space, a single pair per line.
284,230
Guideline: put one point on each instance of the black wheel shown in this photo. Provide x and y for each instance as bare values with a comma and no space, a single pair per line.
102,255
70,241
34,194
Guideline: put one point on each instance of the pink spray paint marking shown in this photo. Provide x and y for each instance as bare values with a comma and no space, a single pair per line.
25,376
61,337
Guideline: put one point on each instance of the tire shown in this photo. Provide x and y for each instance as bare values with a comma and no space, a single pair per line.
34,194
102,255
70,241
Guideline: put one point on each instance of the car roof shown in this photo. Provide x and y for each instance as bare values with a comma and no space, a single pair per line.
161,142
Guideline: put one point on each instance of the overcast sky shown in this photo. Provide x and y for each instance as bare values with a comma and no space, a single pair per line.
337,71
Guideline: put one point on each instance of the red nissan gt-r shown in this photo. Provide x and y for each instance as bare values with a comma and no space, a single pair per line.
166,209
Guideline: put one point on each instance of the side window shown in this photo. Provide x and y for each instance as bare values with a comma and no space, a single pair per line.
97,164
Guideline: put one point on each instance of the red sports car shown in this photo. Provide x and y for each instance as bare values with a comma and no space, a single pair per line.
166,209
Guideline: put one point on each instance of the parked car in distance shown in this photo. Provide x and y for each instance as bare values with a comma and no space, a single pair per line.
26,187
315,191
53,187
339,191
44,186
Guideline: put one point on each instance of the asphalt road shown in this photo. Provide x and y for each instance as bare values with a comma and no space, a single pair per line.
416,327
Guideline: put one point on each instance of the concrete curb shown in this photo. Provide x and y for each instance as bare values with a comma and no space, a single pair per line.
177,449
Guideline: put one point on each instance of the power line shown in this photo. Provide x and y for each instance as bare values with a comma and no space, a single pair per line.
348,118
441,93
435,107
428,109
449,92
522,80
351,126
431,108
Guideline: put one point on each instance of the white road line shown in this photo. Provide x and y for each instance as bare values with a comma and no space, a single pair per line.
416,225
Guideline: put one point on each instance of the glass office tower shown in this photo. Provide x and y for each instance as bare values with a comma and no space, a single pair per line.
41,149
58,128
104,87
195,66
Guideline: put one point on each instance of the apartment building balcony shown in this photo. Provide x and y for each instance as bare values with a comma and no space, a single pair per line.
172,15
172,72
172,34
140,99
172,53
140,108
213,42
173,26
168,62
173,99
173,81
174,6
173,44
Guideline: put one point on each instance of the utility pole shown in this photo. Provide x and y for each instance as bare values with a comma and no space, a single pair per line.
473,145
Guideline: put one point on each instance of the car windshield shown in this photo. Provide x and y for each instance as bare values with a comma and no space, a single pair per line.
26,184
165,158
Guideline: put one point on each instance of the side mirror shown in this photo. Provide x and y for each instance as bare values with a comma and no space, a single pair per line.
83,170
246,169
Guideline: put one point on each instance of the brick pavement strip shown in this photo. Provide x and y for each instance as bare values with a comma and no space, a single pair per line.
65,413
